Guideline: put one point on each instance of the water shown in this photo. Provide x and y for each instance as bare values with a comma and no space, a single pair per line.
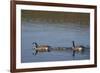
55,29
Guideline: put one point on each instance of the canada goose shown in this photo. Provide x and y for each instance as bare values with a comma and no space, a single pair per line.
40,48
76,48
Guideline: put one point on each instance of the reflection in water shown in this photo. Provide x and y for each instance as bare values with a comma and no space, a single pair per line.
56,29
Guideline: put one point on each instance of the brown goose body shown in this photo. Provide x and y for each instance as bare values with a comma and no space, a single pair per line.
42,48
78,49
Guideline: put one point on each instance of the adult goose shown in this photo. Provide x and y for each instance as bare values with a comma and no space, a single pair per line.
77,48
40,48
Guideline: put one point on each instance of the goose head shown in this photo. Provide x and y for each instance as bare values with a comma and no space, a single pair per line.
35,44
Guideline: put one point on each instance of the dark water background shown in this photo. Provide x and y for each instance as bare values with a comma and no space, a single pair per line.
57,29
